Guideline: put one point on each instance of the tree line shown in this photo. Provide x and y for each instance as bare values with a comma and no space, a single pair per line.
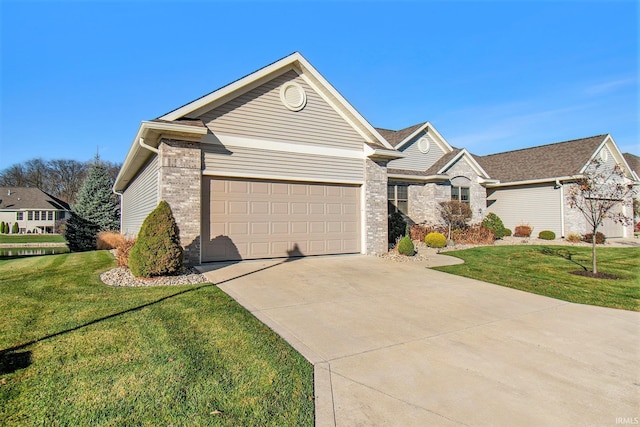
61,178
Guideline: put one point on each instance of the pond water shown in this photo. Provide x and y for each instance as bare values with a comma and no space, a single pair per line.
22,252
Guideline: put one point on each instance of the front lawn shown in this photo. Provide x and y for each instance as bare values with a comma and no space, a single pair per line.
78,352
545,270
15,239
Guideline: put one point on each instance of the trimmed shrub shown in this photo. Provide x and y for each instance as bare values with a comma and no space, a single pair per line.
3,227
495,224
507,232
573,238
523,231
600,238
157,251
420,231
435,240
475,235
109,240
15,229
547,235
123,250
405,247
397,227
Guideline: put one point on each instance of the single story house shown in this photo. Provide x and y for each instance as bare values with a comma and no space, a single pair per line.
279,164
34,210
523,187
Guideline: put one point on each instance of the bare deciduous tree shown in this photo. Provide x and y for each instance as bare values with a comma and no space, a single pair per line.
455,214
60,178
595,193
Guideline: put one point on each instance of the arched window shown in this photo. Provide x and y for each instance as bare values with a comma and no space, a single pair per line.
460,189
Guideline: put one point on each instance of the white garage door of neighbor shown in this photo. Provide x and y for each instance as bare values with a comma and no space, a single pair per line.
245,219
611,228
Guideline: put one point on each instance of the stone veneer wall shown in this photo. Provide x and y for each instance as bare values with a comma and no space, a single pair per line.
375,206
180,185
477,192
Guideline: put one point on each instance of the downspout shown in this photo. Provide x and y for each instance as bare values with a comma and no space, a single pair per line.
561,207
120,198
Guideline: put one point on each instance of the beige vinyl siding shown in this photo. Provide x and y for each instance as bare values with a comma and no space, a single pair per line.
415,159
251,162
140,198
261,114
536,205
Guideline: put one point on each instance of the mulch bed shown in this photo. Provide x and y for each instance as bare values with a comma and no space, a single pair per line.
598,275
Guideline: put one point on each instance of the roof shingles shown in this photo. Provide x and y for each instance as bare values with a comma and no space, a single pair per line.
542,162
21,198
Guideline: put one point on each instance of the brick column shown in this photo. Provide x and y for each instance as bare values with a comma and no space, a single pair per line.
180,186
375,205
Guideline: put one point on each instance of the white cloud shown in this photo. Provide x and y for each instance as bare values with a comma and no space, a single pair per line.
609,86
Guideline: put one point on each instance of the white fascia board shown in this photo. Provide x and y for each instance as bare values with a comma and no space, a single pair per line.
339,103
288,147
246,81
615,151
413,135
420,178
274,177
472,162
382,153
444,145
594,154
143,131
532,181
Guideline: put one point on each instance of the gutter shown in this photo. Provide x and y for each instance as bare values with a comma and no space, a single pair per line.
419,177
555,180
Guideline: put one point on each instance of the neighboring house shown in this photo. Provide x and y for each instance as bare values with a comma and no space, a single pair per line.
533,184
275,164
634,163
34,210
279,164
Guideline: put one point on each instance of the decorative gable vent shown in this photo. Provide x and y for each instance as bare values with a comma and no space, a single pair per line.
424,144
293,96
604,154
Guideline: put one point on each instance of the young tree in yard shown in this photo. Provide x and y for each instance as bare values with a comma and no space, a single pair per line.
455,214
96,209
596,193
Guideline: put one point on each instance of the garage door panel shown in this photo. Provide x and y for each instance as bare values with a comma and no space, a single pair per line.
261,219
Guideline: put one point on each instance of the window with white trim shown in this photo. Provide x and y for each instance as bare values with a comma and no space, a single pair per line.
460,194
19,216
398,198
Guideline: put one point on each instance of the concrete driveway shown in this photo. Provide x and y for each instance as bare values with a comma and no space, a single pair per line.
398,344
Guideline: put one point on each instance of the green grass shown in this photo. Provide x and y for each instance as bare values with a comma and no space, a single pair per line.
540,270
90,354
32,238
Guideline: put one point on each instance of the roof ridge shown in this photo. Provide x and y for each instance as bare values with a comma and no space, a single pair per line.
545,145
229,84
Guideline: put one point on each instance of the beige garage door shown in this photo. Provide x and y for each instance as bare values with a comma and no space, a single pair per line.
264,219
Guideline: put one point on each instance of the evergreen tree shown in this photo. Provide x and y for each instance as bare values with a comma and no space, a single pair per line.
15,229
96,209
157,250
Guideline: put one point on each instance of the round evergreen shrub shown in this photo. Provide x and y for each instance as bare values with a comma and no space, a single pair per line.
405,247
547,235
507,232
157,251
495,224
435,240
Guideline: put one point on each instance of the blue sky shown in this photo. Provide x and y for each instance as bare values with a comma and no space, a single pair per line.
490,76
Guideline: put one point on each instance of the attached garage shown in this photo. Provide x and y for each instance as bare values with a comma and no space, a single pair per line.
274,165
249,219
